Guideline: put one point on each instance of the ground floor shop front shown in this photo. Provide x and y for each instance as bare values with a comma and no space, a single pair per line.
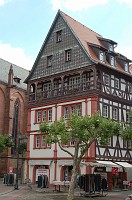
116,175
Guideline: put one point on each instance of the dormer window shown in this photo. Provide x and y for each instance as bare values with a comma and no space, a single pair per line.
49,61
111,48
126,67
112,61
17,79
101,56
59,36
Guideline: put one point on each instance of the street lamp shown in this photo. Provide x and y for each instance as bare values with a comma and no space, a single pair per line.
20,148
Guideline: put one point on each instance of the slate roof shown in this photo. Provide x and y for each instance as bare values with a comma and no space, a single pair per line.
18,72
85,37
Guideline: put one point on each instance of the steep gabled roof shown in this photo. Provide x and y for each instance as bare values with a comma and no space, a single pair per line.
85,37
18,72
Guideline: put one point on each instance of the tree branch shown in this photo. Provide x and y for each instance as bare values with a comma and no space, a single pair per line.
65,150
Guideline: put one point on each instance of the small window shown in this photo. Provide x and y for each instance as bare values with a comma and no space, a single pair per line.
65,112
68,55
126,67
105,111
43,144
72,142
44,115
106,79
112,61
101,56
111,48
50,115
49,61
58,36
37,141
78,109
115,113
130,88
38,116
72,110
116,83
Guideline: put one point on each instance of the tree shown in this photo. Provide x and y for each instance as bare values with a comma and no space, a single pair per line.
84,130
5,142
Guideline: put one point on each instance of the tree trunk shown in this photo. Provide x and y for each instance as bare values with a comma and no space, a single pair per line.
72,184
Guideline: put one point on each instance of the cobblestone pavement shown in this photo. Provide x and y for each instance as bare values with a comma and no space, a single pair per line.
24,193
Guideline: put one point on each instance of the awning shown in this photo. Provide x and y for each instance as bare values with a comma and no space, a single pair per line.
106,163
126,165
101,163
39,162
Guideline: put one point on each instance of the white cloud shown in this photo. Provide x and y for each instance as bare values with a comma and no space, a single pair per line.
76,5
15,56
129,2
2,2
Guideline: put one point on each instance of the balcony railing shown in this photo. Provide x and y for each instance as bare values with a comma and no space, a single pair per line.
65,91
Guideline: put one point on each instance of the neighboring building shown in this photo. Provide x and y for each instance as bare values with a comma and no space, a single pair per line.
13,109
77,70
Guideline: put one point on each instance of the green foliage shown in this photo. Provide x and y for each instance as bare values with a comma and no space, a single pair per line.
5,142
83,129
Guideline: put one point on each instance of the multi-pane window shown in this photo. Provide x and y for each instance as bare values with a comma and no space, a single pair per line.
40,142
72,109
116,83
49,61
84,79
74,82
38,116
68,55
66,112
78,109
107,79
44,115
105,110
115,113
47,89
43,144
50,115
59,36
112,61
101,56
37,141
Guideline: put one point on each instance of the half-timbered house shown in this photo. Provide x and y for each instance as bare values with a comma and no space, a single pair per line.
78,70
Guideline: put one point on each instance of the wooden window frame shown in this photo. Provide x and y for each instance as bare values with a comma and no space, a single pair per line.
68,54
40,146
59,36
69,109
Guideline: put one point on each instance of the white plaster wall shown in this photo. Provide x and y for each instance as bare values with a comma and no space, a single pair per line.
59,112
89,106
83,108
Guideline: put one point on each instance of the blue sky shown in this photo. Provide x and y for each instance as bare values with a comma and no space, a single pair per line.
24,24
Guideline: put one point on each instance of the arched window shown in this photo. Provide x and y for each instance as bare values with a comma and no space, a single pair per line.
15,124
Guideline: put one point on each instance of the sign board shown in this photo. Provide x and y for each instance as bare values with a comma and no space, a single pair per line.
126,182
10,170
100,169
41,171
